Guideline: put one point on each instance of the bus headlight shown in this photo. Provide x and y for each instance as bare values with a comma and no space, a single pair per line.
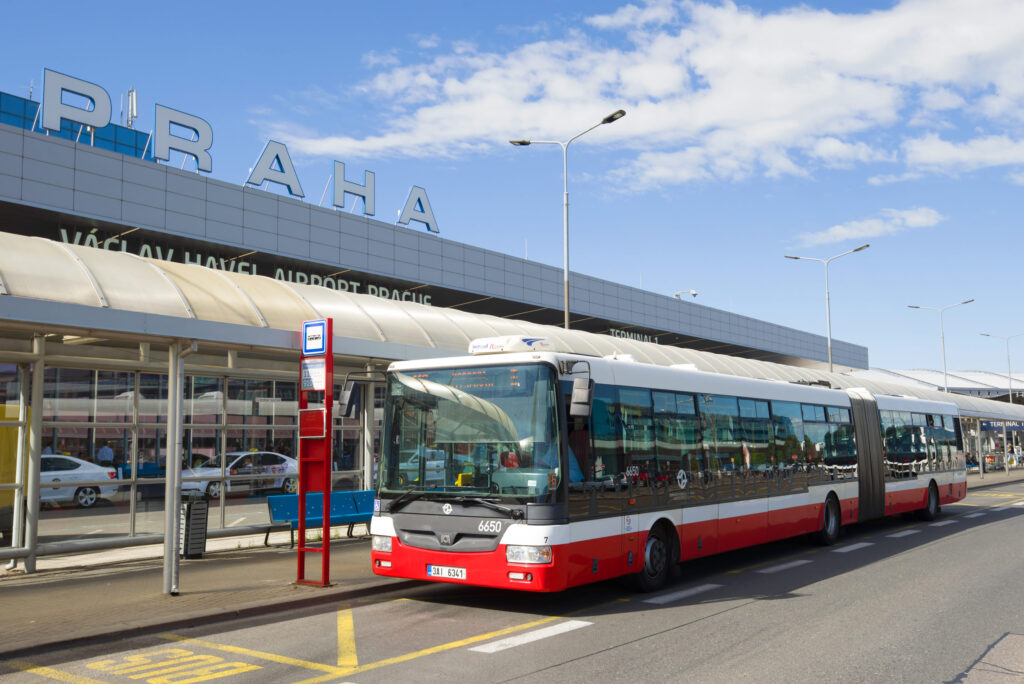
381,543
528,554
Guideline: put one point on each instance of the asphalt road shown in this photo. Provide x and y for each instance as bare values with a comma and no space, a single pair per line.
897,600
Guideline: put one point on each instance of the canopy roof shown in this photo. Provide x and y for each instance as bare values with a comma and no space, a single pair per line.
33,268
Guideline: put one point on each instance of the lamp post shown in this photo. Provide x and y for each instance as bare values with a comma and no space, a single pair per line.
692,293
828,309
1009,377
942,334
614,116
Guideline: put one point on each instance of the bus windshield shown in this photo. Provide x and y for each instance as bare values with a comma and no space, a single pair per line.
484,431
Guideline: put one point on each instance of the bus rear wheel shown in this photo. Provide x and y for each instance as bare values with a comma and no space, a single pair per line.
931,509
829,532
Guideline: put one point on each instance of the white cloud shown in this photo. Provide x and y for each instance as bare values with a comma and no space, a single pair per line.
885,179
375,60
653,12
890,221
834,152
720,91
428,42
932,152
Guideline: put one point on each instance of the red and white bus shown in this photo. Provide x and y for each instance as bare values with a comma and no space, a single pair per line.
519,467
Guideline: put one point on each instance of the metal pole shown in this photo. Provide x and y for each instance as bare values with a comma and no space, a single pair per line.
828,317
366,431
942,340
35,447
18,515
1006,451
172,484
980,456
1009,373
565,232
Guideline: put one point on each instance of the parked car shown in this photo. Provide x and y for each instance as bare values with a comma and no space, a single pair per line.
269,470
57,471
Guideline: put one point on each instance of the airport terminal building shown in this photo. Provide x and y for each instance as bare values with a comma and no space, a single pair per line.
116,265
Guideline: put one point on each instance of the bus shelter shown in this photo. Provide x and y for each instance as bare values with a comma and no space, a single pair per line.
106,357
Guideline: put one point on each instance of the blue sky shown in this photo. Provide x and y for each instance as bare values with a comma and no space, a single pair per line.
753,130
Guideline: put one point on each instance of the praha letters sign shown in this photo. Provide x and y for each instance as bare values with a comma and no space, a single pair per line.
275,164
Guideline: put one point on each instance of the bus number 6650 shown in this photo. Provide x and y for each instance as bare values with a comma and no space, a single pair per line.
489,526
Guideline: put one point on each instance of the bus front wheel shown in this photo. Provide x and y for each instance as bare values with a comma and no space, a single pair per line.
657,562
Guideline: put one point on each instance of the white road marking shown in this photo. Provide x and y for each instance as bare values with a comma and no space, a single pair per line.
684,593
975,515
535,635
235,522
785,566
902,533
1019,503
942,523
1002,508
853,547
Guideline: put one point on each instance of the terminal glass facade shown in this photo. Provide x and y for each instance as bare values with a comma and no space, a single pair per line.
104,449
17,111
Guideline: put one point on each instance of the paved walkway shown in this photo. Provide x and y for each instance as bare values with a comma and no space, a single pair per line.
76,598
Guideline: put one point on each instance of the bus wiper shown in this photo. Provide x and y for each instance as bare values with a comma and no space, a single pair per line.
514,513
406,497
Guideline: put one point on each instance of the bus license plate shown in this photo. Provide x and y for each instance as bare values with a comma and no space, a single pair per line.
446,571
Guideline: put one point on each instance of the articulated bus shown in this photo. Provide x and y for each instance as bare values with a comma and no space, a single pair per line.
523,468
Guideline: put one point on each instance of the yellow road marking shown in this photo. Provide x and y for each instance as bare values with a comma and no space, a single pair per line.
346,640
49,672
450,645
273,657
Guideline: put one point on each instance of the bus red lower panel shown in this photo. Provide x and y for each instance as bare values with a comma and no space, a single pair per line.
790,522
488,569
906,501
698,539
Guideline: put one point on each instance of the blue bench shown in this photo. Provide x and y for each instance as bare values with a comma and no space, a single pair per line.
347,508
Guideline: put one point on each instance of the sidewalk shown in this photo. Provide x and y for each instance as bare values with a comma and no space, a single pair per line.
88,596
77,598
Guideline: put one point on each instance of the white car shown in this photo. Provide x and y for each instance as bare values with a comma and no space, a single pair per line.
58,475
269,470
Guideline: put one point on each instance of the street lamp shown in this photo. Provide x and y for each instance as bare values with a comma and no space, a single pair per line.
614,116
942,334
1009,377
828,311
692,293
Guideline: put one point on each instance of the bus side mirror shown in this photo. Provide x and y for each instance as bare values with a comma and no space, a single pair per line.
348,401
582,393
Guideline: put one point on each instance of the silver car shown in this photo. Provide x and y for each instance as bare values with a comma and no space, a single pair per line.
59,474
266,470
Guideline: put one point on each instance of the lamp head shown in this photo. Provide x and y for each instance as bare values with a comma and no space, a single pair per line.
614,116
862,248
520,143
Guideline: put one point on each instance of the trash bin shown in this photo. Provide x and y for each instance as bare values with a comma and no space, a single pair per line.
195,510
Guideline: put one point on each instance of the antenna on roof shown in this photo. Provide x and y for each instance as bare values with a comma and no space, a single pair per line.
133,107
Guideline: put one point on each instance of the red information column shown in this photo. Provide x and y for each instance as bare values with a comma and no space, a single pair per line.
316,389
